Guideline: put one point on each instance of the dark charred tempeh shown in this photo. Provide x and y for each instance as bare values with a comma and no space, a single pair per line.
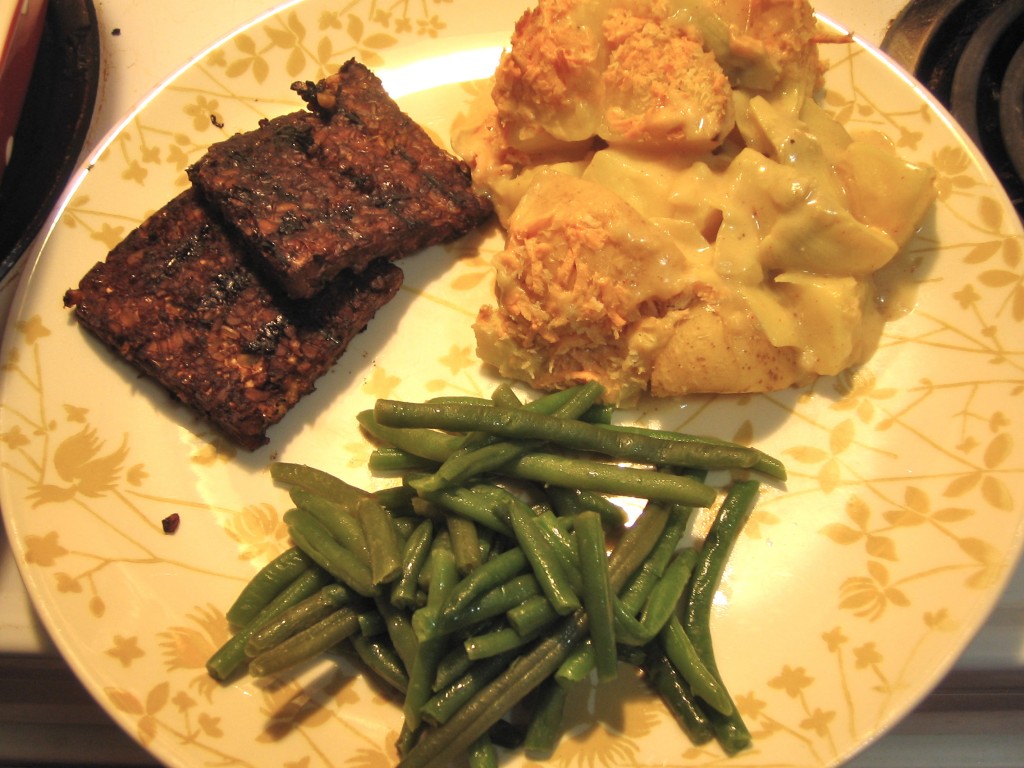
179,300
365,124
351,180
298,217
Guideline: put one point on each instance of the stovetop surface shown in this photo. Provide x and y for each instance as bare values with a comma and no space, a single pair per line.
970,55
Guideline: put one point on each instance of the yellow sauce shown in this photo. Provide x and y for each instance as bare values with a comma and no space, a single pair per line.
681,216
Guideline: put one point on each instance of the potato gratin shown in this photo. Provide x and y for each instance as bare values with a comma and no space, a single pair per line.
681,215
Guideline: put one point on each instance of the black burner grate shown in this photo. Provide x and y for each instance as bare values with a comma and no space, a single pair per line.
970,54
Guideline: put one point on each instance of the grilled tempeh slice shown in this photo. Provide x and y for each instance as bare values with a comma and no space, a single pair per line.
333,188
179,300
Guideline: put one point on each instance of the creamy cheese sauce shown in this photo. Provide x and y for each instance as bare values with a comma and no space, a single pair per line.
681,216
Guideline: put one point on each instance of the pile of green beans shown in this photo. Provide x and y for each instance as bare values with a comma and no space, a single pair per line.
500,573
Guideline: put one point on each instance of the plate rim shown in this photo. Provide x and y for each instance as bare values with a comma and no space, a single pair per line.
18,308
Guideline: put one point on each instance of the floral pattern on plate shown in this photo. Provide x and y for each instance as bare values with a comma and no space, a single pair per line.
850,592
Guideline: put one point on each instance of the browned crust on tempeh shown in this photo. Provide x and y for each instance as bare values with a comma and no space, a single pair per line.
179,300
352,180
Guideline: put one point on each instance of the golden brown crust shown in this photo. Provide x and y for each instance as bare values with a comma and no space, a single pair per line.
715,351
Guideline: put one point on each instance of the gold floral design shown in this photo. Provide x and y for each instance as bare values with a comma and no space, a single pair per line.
259,531
188,646
67,463
601,730
164,712
125,649
884,547
298,44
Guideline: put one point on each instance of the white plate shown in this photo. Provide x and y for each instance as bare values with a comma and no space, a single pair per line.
850,593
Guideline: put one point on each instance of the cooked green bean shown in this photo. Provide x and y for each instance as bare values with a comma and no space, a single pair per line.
557,533
397,498
491,571
496,642
414,556
486,455
432,646
440,707
495,602
465,543
660,606
658,612
634,595
425,443
598,414
547,566
765,463
629,632
579,402
424,508
269,581
506,396
299,617
491,544
388,459
495,572
442,745
307,644
338,518
451,667
559,470
560,402
610,478
636,544
405,521
555,401
471,504
464,399
371,623
730,730
482,754
584,474
704,683
679,700
545,727
712,559
597,599
231,655
578,666
439,745
565,502
444,575
464,465
399,629
317,542
664,597
315,481
531,615
407,738
381,659
612,515
523,424
382,541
